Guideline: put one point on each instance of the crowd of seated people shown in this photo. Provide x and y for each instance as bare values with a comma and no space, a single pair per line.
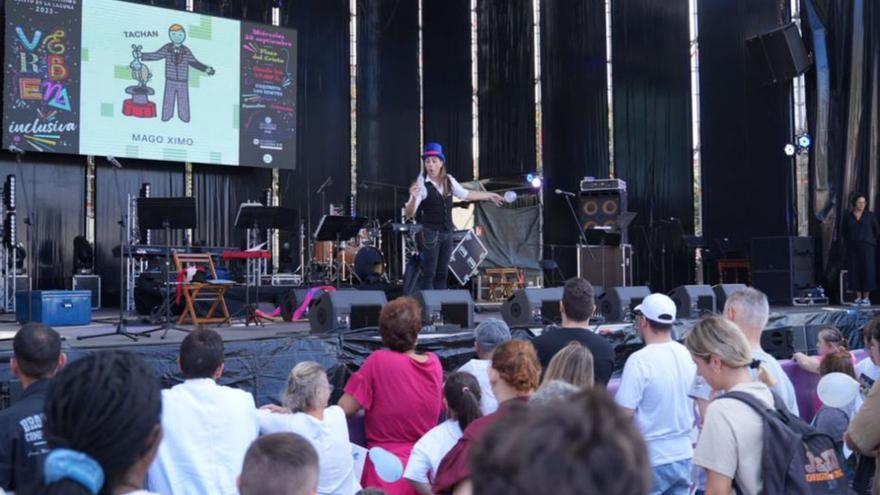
685,415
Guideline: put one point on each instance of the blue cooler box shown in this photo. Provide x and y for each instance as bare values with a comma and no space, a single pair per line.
55,307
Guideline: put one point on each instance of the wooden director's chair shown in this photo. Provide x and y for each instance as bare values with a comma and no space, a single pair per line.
207,292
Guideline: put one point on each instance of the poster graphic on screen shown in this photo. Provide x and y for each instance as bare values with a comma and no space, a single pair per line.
268,95
42,66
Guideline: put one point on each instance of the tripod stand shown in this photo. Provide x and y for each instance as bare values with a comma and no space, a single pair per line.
336,228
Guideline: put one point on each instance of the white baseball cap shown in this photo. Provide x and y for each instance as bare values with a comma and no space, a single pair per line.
658,308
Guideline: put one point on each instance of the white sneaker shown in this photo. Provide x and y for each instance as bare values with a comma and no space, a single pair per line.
866,302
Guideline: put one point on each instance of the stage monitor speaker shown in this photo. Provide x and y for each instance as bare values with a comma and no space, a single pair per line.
346,309
778,342
532,307
453,307
693,301
90,283
618,302
723,291
779,55
292,301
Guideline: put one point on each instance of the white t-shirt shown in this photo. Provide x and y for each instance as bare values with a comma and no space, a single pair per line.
207,430
479,368
867,372
430,450
141,492
329,438
732,439
655,384
783,388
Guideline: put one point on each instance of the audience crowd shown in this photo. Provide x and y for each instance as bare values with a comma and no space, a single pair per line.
699,409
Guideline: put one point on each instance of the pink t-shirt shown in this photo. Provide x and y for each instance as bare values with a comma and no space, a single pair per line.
402,399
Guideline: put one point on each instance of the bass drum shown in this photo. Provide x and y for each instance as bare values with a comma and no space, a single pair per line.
369,265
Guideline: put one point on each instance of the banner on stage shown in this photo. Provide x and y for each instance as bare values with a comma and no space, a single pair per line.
105,77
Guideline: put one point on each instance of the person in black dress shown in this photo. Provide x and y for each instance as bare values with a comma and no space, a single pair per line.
430,200
861,231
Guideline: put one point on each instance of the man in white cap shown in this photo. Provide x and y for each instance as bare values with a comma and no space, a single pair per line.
654,388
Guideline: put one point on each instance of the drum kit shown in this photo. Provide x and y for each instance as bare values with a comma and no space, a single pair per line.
357,260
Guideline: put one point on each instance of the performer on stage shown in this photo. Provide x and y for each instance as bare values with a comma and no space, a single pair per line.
430,199
861,231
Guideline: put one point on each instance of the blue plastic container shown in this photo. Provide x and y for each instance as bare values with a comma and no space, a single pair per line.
55,307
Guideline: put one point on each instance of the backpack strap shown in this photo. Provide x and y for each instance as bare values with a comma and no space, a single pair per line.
753,402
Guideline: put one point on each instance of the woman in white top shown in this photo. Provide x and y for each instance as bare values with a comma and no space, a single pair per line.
731,441
461,397
305,413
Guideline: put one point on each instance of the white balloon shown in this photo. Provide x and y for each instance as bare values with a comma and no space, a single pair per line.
509,196
837,389
387,465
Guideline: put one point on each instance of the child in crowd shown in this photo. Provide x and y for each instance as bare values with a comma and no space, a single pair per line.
828,340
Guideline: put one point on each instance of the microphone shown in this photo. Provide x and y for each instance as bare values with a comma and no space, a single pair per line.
113,161
15,149
564,193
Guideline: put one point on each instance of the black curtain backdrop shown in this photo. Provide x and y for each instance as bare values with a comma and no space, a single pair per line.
506,74
844,115
574,106
388,105
324,143
446,85
219,192
652,134
747,179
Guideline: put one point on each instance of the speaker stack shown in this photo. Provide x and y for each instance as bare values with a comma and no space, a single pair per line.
532,307
449,307
618,302
346,309
693,301
782,267
601,202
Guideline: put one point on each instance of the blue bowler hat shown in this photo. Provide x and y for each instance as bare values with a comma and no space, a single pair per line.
434,149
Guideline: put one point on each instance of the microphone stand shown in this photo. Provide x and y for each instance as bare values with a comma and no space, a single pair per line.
574,218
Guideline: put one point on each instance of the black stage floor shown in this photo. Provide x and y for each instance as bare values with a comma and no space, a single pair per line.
258,359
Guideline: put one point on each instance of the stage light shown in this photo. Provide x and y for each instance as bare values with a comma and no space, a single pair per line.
789,149
804,141
537,182
9,192
9,229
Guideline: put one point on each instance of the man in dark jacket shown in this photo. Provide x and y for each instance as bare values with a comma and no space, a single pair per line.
36,357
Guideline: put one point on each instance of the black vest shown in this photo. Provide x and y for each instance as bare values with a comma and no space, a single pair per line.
435,211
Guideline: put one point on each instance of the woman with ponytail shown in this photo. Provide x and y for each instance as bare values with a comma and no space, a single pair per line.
103,426
731,442
461,396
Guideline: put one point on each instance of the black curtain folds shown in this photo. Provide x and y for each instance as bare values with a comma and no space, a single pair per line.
574,106
843,95
652,134
219,192
506,75
446,83
387,105
746,178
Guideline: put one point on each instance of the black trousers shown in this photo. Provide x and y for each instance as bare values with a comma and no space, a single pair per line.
862,266
436,249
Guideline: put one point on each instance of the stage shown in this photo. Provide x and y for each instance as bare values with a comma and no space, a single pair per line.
258,358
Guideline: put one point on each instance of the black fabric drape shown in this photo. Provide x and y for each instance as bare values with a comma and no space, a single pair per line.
574,107
446,83
219,192
506,74
50,190
844,112
388,104
112,187
747,179
652,134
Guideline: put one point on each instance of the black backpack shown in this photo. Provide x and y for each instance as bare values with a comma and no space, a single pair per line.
797,459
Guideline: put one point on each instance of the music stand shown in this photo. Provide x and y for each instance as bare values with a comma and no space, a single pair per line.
337,227
255,216
166,214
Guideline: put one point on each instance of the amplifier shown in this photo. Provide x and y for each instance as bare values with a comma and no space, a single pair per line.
590,184
606,266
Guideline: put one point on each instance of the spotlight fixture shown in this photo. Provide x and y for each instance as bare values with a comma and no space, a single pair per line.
9,234
804,141
536,181
789,149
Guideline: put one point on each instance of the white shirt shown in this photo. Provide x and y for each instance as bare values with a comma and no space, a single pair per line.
207,430
655,384
430,450
457,190
783,388
329,438
479,368
867,372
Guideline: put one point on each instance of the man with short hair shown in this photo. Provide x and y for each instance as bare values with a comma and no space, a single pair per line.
577,306
36,357
280,464
749,310
654,388
487,336
207,427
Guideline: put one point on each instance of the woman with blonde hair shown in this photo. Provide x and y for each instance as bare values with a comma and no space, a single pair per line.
730,446
572,364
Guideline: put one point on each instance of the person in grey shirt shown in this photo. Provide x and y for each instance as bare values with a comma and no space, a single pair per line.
749,310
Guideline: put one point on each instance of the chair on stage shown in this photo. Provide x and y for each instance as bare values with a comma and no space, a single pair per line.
200,290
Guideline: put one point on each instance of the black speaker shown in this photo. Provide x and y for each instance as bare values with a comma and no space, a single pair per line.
778,342
90,283
344,309
532,307
779,55
455,307
292,301
781,266
601,207
723,291
618,302
692,301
